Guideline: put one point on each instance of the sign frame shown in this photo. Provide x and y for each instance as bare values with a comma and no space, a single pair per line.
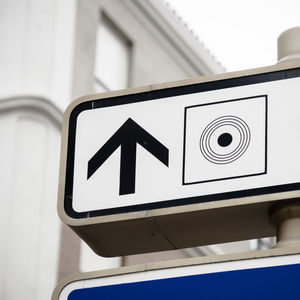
212,262
167,225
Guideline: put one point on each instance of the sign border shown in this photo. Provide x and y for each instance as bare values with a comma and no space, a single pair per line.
152,95
165,265
231,177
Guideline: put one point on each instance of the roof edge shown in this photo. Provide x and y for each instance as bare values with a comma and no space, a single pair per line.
195,53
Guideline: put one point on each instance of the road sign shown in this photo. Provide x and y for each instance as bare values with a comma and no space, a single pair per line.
151,167
263,278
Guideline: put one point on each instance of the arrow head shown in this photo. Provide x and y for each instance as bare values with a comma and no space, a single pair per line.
127,137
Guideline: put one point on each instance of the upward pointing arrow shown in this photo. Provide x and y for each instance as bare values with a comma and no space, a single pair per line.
127,137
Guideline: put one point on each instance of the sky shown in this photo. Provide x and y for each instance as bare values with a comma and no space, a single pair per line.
241,34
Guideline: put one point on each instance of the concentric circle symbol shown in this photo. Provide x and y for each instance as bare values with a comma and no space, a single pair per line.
225,139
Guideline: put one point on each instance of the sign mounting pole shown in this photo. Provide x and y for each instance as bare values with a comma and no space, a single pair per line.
286,217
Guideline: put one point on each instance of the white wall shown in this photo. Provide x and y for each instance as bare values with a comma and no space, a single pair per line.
36,53
89,261
36,59
29,227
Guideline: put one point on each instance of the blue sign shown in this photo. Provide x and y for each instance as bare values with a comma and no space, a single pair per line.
278,282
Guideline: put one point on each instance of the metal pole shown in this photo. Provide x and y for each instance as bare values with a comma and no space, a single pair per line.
288,45
286,219
286,216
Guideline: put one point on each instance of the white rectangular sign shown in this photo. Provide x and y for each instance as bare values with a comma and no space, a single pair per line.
187,145
181,164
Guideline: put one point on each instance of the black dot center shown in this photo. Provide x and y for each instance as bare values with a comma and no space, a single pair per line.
225,139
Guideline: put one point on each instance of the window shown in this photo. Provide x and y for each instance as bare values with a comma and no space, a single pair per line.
112,57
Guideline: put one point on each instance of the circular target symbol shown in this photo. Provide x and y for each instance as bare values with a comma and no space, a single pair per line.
225,139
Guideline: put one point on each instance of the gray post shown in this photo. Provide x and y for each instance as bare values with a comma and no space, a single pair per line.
286,217
288,45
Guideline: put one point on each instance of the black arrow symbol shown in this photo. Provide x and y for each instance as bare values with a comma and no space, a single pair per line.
127,137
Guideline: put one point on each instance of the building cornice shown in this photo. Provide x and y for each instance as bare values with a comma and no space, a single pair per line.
33,103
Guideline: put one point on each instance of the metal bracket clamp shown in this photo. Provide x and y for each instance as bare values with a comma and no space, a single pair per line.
286,219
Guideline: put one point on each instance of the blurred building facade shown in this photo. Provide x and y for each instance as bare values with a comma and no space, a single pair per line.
51,53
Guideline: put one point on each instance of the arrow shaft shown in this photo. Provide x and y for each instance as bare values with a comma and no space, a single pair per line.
128,167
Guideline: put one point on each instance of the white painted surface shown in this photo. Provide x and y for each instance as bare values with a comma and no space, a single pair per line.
29,226
36,53
89,261
112,57
164,119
